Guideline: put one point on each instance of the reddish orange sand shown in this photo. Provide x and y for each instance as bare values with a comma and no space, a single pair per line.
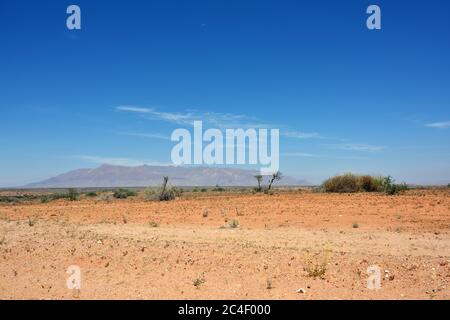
123,256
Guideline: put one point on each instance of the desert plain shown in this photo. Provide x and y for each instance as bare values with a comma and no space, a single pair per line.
229,245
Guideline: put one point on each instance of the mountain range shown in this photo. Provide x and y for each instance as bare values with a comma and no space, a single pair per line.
141,176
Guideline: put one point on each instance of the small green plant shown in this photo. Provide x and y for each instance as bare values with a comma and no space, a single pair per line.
197,282
218,189
124,193
234,224
45,199
204,190
32,221
153,224
150,193
72,194
91,194
390,188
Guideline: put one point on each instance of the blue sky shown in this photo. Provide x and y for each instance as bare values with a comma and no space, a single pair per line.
344,97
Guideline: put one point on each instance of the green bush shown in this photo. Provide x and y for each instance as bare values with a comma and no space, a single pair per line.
390,188
350,183
218,188
342,184
370,184
91,194
72,194
124,193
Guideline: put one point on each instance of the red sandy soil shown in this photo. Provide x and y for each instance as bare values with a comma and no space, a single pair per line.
122,255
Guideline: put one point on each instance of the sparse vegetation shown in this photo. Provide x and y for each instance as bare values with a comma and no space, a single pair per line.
218,189
316,265
390,188
197,282
72,194
153,224
32,221
4,217
269,237
124,193
104,197
233,224
91,194
167,192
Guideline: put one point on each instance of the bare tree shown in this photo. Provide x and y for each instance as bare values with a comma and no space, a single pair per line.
275,177
259,179
164,186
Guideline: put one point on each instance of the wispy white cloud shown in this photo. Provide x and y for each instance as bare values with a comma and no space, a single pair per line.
220,120
228,120
313,155
303,155
439,125
133,109
356,147
145,135
117,161
303,135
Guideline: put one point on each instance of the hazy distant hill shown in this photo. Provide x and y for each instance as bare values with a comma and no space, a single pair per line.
121,176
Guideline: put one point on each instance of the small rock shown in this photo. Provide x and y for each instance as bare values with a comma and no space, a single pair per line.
301,290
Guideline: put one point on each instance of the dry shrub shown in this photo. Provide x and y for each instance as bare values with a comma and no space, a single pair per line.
316,265
370,184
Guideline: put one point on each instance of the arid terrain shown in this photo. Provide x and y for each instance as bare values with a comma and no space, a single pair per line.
229,245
